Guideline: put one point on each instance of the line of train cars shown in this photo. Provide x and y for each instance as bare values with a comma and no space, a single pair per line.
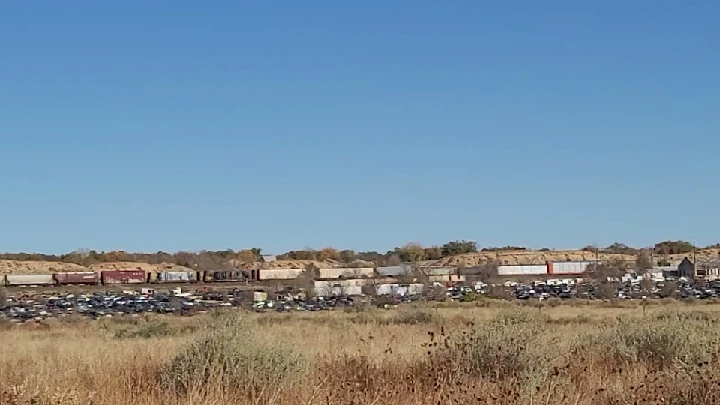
123,277
549,269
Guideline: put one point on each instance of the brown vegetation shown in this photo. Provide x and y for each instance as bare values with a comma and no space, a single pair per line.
501,353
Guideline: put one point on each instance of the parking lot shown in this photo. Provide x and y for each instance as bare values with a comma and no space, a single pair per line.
36,305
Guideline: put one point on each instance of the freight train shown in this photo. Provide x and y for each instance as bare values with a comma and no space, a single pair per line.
126,277
549,268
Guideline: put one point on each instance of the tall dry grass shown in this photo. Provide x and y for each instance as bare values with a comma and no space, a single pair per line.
511,354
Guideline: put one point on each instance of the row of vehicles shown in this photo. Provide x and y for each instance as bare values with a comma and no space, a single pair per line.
122,277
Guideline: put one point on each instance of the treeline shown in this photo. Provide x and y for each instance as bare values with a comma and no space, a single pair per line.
668,247
409,253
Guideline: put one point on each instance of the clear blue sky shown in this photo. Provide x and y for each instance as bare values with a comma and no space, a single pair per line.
186,125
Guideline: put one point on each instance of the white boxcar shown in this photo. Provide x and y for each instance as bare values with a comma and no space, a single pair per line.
523,270
175,277
450,278
29,279
347,272
353,282
568,267
393,271
280,274
415,289
386,289
439,271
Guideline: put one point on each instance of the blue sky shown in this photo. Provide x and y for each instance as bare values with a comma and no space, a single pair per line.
164,125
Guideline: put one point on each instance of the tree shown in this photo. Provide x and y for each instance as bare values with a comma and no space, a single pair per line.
433,253
602,271
620,248
301,255
606,290
346,256
458,247
643,261
411,253
674,247
246,256
669,289
484,272
328,253
307,278
647,284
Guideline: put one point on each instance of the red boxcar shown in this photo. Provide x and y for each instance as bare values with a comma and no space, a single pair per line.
77,277
123,277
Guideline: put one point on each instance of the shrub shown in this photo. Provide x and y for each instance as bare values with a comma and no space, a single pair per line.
230,355
147,330
412,317
506,347
664,341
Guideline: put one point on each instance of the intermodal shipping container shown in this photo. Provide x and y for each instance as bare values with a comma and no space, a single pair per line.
337,290
439,271
350,282
568,267
523,270
347,272
394,271
176,277
29,279
452,278
77,277
279,274
123,277
387,289
227,276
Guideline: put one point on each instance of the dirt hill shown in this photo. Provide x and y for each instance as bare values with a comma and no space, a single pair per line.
527,257
469,259
538,257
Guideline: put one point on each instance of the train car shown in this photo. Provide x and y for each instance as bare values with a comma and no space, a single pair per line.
226,276
176,277
568,268
12,280
347,272
279,274
523,270
109,277
77,278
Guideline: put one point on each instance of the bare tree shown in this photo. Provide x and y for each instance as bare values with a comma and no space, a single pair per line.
643,261
307,279
3,298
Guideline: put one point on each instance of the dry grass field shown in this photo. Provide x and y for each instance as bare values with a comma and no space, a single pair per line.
486,353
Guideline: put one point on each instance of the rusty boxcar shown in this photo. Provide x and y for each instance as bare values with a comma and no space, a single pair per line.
123,277
77,277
